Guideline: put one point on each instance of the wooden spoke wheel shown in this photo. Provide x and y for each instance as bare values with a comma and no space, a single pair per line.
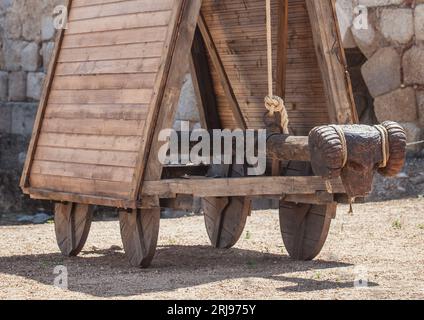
304,227
225,218
139,233
72,225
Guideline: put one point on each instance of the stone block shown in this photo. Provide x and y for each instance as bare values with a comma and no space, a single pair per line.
4,78
413,66
17,86
399,105
35,85
30,59
397,25
382,72
23,117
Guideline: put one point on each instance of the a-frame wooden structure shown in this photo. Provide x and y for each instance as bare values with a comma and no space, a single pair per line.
114,83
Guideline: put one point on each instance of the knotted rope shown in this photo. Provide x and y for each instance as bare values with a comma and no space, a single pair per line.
274,104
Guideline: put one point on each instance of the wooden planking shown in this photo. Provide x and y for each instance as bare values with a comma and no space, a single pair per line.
125,96
238,30
90,142
102,91
129,21
82,156
80,186
119,8
76,170
117,52
104,82
116,37
146,65
95,126
97,111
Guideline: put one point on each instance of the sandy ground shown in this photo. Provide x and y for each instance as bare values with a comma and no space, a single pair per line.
382,243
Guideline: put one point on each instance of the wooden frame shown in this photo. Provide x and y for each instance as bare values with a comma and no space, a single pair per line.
178,43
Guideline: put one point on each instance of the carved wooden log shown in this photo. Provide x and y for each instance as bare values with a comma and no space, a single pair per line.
355,152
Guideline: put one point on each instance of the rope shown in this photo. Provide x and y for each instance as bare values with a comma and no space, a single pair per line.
415,143
385,145
273,103
342,136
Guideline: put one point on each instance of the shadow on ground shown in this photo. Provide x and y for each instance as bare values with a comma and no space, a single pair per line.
106,273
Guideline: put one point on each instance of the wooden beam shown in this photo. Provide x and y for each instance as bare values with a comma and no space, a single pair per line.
42,106
161,81
83,199
282,147
219,67
203,84
332,62
243,187
171,92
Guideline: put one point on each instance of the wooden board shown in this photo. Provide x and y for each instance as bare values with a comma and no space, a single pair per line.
237,29
96,115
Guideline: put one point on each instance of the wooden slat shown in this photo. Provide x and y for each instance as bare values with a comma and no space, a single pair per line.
119,8
104,82
97,111
81,186
118,52
78,141
116,37
81,156
95,126
75,170
129,21
145,65
125,96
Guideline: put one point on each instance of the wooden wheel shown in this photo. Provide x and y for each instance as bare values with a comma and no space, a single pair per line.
139,233
304,227
225,218
72,225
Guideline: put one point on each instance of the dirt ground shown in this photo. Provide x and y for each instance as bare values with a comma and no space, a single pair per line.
381,243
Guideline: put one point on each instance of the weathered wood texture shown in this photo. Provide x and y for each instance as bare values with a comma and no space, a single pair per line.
360,158
238,31
72,225
101,96
332,61
139,233
234,187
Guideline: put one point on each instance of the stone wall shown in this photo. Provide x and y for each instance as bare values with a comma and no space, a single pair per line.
393,44
26,43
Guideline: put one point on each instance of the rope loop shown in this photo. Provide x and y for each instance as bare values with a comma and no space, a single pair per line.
385,145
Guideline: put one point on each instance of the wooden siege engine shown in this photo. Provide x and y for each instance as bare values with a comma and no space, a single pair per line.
114,84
